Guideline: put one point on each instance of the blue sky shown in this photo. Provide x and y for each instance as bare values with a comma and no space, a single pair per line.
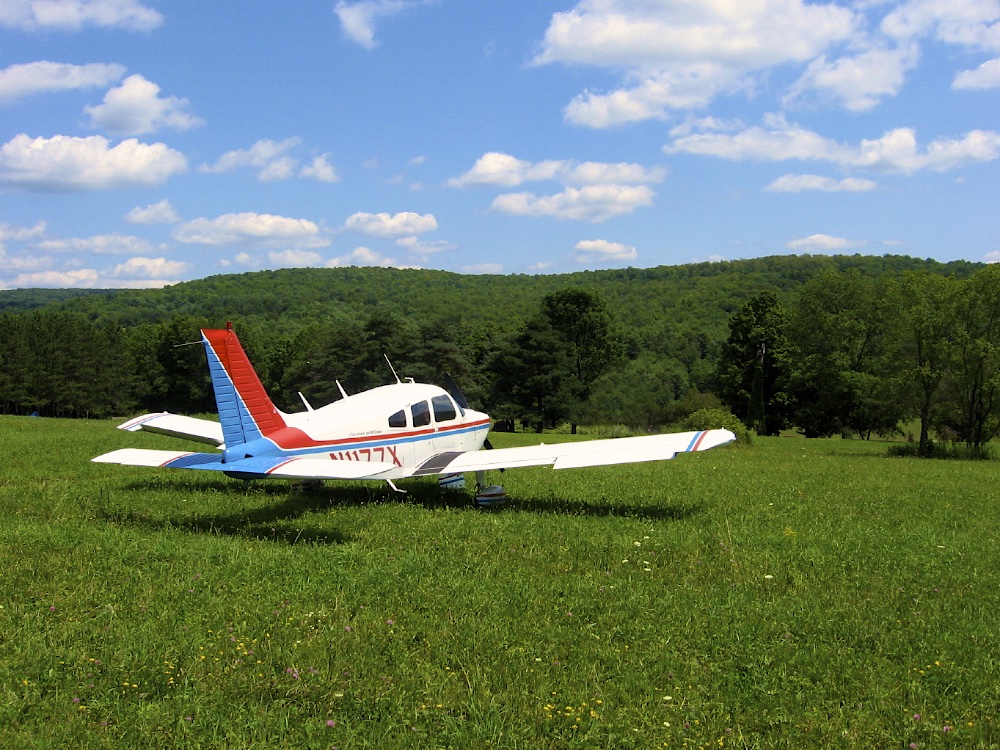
145,142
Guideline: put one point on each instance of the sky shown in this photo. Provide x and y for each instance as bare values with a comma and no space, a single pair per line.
147,142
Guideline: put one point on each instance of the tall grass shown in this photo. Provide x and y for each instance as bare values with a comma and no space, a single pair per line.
797,594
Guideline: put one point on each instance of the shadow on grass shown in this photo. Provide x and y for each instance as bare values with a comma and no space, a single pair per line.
274,520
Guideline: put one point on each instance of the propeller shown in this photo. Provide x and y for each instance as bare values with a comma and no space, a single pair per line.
456,393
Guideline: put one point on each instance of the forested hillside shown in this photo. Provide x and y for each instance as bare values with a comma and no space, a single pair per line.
629,345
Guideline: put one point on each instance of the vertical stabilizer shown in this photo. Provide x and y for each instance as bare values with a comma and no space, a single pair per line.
245,410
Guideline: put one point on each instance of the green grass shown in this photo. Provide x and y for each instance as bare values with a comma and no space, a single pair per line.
794,594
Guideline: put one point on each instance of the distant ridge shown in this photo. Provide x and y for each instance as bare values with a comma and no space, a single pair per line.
298,296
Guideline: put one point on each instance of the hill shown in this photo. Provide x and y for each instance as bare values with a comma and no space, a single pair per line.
699,296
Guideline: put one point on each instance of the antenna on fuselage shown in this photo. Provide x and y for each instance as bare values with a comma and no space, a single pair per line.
400,382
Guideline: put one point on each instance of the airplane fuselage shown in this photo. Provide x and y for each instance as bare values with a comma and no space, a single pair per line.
422,421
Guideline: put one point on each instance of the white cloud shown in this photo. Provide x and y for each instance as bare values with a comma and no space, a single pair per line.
384,225
86,278
481,269
504,170
603,251
823,243
594,191
274,161
594,203
678,54
896,151
147,269
993,257
68,163
135,108
859,82
46,77
970,23
270,157
20,234
161,212
102,244
423,248
986,76
494,168
358,19
295,258
73,15
261,230
795,183
320,170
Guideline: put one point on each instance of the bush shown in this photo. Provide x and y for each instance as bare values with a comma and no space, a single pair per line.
714,418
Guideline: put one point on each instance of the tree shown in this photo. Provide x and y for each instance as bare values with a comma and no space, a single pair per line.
840,375
546,370
973,381
753,367
924,329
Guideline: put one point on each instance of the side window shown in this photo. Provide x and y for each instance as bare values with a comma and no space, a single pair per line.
398,419
444,409
421,414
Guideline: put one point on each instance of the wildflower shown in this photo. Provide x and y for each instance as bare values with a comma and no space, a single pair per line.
946,728
330,723
390,622
347,628
52,608
914,746
916,717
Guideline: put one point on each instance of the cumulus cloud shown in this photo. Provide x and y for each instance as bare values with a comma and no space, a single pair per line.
504,170
823,243
796,183
147,269
594,191
859,82
603,251
261,230
320,170
136,108
101,244
73,15
48,77
986,76
86,278
273,161
423,248
594,203
295,258
64,163
385,225
357,19
161,212
678,55
896,151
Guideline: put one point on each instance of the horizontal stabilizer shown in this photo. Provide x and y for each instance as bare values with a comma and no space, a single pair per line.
177,425
146,457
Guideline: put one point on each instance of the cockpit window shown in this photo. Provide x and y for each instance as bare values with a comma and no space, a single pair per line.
421,414
444,408
398,419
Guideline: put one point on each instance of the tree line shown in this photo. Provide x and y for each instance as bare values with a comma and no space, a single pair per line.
859,355
826,345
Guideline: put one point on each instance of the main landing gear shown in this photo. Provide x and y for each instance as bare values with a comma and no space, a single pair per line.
487,496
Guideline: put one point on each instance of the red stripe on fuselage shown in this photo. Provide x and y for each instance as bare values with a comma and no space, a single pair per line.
292,438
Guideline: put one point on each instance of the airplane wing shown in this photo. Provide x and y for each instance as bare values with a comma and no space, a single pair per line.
277,467
576,455
176,425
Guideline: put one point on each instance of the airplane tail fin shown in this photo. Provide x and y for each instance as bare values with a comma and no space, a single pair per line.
245,410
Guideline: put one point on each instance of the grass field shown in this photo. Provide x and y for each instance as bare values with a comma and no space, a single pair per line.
793,594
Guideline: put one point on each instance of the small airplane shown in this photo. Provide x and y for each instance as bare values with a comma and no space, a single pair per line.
391,432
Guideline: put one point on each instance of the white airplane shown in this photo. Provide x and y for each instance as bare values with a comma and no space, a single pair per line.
392,432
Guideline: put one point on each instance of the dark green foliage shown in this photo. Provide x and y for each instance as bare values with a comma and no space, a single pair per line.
870,341
753,369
